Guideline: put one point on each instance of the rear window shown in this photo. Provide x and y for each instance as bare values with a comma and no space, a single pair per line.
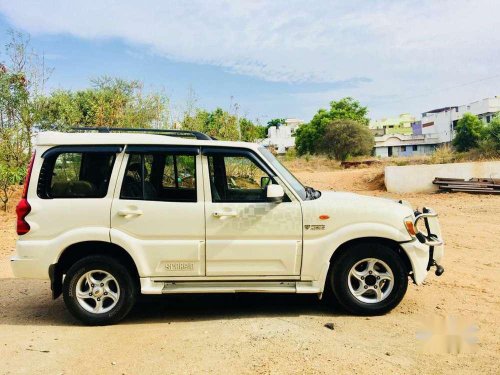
76,175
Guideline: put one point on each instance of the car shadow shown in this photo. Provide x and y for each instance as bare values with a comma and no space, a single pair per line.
29,302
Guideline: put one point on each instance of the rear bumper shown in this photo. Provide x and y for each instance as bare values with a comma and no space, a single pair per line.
28,268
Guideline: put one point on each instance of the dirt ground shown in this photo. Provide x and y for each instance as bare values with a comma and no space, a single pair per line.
275,334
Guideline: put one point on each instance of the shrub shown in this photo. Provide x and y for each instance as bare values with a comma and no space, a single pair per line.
492,134
442,155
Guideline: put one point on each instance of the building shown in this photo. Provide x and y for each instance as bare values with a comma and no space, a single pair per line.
282,138
436,127
293,124
442,121
393,125
405,144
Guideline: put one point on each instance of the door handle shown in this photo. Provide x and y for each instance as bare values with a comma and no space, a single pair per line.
224,213
129,213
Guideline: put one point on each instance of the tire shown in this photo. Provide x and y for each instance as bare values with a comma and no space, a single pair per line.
369,279
109,300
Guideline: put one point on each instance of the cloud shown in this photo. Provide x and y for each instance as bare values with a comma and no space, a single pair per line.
404,46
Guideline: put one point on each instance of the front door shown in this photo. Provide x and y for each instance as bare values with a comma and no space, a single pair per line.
246,235
158,212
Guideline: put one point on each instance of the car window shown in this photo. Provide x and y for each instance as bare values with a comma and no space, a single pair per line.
160,177
76,175
236,179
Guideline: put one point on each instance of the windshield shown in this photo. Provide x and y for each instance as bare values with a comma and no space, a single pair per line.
285,173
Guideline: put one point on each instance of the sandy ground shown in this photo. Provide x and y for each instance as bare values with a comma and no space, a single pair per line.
274,334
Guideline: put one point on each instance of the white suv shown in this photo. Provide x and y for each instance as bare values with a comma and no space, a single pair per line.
106,216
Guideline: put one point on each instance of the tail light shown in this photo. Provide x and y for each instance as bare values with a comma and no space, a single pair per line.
23,207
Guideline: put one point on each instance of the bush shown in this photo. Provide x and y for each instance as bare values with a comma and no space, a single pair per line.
492,135
344,138
443,155
10,176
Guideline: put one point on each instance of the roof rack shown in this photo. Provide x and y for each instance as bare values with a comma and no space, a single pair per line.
170,132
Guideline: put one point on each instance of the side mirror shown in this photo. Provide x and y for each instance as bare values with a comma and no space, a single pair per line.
275,193
264,181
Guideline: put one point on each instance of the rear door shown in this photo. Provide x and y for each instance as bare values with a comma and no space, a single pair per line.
158,210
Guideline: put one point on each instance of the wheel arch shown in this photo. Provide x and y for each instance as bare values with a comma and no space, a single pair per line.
379,240
80,250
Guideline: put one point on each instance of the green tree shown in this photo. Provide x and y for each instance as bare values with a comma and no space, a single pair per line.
344,138
276,122
251,132
489,144
492,132
13,160
308,136
110,102
222,125
468,132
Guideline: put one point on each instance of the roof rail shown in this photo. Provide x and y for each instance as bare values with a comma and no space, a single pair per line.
170,132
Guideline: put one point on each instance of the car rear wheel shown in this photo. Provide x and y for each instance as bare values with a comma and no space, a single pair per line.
369,279
98,290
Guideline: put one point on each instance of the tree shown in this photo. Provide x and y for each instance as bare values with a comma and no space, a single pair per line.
492,133
13,160
468,132
344,138
251,132
31,72
489,144
110,102
308,136
21,79
223,125
276,122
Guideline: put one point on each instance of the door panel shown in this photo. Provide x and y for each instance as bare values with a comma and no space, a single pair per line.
254,238
166,237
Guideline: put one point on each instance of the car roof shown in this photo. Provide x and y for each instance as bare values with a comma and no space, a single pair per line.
59,138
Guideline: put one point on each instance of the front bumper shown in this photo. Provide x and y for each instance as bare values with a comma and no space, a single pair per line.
427,250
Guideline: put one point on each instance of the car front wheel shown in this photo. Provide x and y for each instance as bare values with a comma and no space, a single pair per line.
98,290
369,279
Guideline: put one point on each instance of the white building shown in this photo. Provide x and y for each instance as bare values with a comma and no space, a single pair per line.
443,121
389,145
437,127
281,138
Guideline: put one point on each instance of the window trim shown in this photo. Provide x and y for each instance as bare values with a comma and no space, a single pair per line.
107,149
233,151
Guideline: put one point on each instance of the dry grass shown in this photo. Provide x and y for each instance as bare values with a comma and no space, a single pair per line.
310,163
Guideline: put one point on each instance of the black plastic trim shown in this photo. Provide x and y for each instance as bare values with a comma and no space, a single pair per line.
148,149
171,132
112,149
208,150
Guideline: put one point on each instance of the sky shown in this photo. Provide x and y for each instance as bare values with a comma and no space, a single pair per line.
275,59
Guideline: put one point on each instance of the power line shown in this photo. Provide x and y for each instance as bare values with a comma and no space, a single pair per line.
451,87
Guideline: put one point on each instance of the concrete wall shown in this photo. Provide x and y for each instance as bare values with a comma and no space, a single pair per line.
418,178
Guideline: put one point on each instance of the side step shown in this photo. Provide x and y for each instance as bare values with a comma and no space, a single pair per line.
151,286
229,287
